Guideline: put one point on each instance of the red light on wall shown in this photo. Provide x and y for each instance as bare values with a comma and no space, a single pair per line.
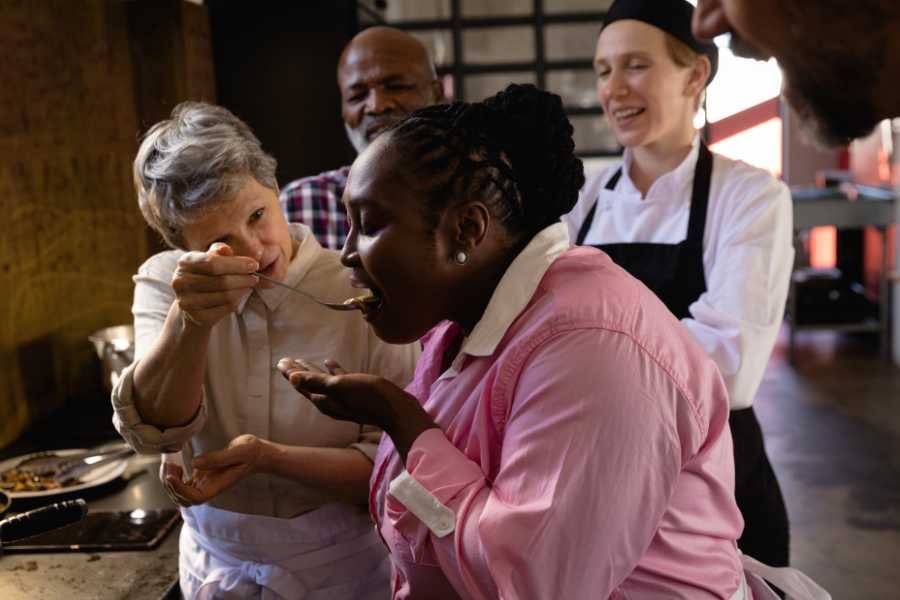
823,247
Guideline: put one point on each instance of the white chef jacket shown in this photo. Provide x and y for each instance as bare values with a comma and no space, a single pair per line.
748,253
243,392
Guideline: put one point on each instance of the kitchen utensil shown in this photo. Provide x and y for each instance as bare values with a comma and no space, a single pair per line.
96,477
115,347
76,469
331,305
42,519
49,462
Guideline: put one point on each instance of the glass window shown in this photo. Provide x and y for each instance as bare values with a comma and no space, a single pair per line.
568,6
740,84
479,87
498,45
415,10
570,41
496,8
439,43
592,134
577,88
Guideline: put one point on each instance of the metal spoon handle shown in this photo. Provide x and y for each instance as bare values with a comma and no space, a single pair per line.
331,305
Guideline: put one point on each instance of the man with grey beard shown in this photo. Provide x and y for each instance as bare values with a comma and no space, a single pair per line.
383,74
841,63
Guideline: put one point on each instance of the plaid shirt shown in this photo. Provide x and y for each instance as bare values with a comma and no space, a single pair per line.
316,202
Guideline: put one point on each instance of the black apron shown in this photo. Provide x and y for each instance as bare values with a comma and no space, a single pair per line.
675,273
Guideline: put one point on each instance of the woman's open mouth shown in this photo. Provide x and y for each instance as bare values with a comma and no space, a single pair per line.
626,116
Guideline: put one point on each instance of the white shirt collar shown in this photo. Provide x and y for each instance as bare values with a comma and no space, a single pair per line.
307,248
669,185
515,289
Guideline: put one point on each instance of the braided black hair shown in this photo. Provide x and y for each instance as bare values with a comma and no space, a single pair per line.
514,151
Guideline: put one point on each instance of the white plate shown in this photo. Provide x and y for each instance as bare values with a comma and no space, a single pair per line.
93,478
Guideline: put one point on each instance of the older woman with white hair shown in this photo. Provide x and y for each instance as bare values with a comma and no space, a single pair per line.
272,507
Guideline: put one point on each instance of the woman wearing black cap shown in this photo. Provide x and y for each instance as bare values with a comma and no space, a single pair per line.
709,235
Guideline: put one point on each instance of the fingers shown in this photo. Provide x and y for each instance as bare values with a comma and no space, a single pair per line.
310,383
211,300
294,369
221,249
206,307
187,281
171,475
334,367
206,484
219,459
211,263
185,493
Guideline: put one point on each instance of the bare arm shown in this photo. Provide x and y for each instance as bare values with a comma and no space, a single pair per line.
168,379
342,473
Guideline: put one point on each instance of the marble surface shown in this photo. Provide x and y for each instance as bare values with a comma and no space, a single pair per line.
146,574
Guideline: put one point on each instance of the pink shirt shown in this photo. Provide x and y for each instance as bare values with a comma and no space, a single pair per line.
583,449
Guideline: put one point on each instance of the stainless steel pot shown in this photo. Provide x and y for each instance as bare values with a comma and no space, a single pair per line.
115,347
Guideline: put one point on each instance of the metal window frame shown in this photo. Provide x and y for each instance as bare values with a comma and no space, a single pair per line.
538,20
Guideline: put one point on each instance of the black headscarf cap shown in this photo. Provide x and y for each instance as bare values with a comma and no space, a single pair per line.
672,16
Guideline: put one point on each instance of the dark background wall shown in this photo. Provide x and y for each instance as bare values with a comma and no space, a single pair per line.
275,68
81,81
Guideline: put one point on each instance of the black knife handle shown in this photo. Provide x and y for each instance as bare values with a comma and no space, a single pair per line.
42,519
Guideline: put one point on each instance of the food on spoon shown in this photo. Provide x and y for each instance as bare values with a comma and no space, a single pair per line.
363,302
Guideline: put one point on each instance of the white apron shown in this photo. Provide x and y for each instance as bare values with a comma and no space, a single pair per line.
331,553
795,584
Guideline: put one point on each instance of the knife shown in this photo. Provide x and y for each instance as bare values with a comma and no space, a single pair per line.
39,520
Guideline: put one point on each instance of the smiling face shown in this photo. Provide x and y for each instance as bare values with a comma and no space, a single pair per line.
393,251
384,75
646,97
833,54
251,223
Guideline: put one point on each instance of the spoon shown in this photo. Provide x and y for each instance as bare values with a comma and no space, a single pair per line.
331,305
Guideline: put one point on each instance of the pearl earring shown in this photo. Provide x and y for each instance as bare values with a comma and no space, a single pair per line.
461,258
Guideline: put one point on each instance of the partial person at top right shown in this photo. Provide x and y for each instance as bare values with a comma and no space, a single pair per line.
841,60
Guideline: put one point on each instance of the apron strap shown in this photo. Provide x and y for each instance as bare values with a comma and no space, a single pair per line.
699,199
700,196
589,219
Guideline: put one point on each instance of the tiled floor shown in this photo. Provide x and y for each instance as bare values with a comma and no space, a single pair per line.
832,426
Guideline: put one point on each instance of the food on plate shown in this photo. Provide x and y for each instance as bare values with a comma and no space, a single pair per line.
15,480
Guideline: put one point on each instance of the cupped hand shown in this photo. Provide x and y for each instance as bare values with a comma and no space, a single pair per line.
214,472
210,285
358,397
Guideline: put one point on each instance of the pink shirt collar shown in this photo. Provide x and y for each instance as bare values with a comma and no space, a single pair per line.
515,289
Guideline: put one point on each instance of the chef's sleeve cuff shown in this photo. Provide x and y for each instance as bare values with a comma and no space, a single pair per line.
143,437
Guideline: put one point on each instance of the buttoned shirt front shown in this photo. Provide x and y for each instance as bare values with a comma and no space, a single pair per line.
582,451
243,392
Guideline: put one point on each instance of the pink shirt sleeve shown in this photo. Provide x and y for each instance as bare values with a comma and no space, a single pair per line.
591,455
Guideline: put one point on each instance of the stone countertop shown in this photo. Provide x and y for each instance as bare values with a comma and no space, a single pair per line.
148,574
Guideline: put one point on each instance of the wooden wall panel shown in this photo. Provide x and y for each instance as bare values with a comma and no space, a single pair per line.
72,234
